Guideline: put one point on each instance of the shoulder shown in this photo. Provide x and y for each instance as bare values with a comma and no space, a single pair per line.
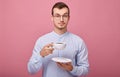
44,37
78,41
75,37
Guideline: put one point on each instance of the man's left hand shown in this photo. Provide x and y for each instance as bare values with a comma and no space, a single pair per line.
66,66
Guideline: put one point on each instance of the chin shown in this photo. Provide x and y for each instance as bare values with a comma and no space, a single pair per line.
61,26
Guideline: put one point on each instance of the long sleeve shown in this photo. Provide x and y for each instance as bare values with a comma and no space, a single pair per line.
35,62
82,66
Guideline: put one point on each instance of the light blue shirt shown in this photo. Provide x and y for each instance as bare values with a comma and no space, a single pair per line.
75,50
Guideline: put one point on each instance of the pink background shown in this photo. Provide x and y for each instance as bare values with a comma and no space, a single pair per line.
96,21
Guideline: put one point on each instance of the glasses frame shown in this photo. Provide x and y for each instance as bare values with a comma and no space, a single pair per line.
58,16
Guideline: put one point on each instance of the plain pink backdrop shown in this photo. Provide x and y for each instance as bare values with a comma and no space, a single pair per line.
23,21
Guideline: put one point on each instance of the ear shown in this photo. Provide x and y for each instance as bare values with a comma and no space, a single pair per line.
51,18
69,18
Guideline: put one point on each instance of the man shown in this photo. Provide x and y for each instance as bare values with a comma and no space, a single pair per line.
44,51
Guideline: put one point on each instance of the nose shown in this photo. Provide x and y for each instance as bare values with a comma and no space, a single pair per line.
61,18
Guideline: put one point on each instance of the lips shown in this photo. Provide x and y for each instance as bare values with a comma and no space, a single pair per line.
61,23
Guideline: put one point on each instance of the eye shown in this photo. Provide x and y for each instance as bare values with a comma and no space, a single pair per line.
65,15
56,15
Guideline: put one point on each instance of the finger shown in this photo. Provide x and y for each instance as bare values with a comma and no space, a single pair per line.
59,64
50,45
49,52
68,63
47,47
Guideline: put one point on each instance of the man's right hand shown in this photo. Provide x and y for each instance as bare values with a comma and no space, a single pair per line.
46,50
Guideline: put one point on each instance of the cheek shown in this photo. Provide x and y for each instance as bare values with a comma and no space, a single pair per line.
66,21
55,21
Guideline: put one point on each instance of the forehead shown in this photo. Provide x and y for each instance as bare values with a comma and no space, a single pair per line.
60,11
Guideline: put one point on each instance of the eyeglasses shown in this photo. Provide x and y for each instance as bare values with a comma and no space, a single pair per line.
57,17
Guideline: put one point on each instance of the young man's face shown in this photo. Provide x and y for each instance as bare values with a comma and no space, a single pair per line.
60,18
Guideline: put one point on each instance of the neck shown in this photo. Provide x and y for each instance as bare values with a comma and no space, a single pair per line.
60,31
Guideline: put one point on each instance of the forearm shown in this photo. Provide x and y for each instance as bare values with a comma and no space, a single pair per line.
81,64
34,64
79,71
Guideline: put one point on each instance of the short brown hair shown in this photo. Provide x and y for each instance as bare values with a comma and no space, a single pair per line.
60,5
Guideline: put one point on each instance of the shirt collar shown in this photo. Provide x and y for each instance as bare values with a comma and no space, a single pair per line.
62,35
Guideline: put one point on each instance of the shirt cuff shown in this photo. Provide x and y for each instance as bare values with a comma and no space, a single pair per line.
74,70
38,58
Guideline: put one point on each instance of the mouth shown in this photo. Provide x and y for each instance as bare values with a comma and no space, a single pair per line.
61,23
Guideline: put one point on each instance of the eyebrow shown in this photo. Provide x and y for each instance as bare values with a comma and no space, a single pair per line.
59,14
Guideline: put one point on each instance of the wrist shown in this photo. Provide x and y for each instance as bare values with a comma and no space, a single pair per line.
41,53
